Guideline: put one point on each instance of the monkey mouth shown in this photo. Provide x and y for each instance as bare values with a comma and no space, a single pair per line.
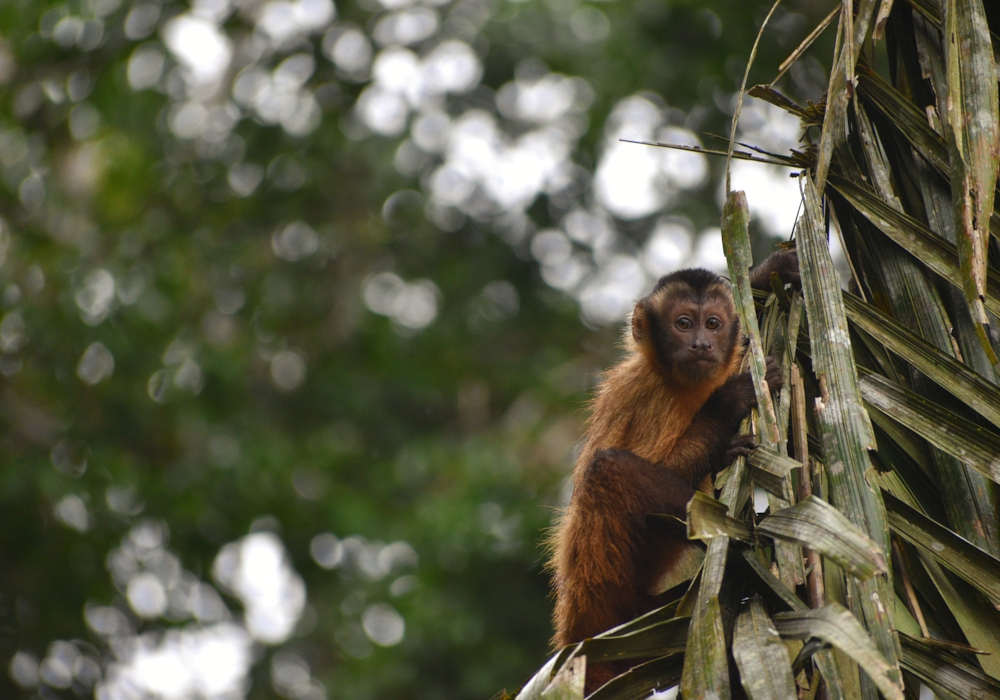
703,361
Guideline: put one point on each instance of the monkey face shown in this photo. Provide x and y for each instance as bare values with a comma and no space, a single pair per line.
695,338
688,332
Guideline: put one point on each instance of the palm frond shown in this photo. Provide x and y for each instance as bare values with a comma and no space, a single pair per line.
890,414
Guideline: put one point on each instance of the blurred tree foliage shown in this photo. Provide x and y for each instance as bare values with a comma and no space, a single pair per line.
186,338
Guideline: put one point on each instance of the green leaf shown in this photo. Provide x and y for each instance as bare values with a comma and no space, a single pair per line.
973,130
975,391
667,612
787,556
706,659
853,29
687,562
953,434
771,471
706,666
641,681
761,656
568,682
912,124
905,622
707,519
845,428
532,690
836,625
959,555
940,256
976,616
659,639
832,358
775,590
736,243
938,668
816,524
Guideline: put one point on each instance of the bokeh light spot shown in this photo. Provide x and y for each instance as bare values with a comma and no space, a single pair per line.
71,511
200,46
146,595
288,370
96,364
383,624
326,550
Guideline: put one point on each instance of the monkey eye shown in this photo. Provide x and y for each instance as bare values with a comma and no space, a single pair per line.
713,323
684,323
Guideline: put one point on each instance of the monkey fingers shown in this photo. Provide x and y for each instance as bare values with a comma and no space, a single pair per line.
773,375
741,446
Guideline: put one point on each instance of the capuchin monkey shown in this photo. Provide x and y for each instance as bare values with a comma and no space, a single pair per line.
665,418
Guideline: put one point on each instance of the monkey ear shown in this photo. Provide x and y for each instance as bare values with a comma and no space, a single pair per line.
640,324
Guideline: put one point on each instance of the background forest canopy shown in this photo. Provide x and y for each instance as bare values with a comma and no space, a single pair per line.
301,304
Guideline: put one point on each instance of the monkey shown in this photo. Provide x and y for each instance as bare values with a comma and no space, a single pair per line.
663,420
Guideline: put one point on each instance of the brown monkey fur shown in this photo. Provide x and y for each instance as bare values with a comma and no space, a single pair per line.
662,421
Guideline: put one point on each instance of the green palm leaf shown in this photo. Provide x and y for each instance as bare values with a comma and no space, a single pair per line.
904,512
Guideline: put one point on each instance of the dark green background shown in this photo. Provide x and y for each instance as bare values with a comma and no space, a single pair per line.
376,432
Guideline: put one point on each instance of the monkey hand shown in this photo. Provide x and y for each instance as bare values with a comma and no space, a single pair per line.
741,446
734,399
738,395
773,375
785,262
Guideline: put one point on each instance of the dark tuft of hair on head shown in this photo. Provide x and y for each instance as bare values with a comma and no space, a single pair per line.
699,279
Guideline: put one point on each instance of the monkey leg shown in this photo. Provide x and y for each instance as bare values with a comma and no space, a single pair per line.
599,674
600,568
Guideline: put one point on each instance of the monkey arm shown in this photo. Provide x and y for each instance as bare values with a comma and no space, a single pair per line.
708,444
704,446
